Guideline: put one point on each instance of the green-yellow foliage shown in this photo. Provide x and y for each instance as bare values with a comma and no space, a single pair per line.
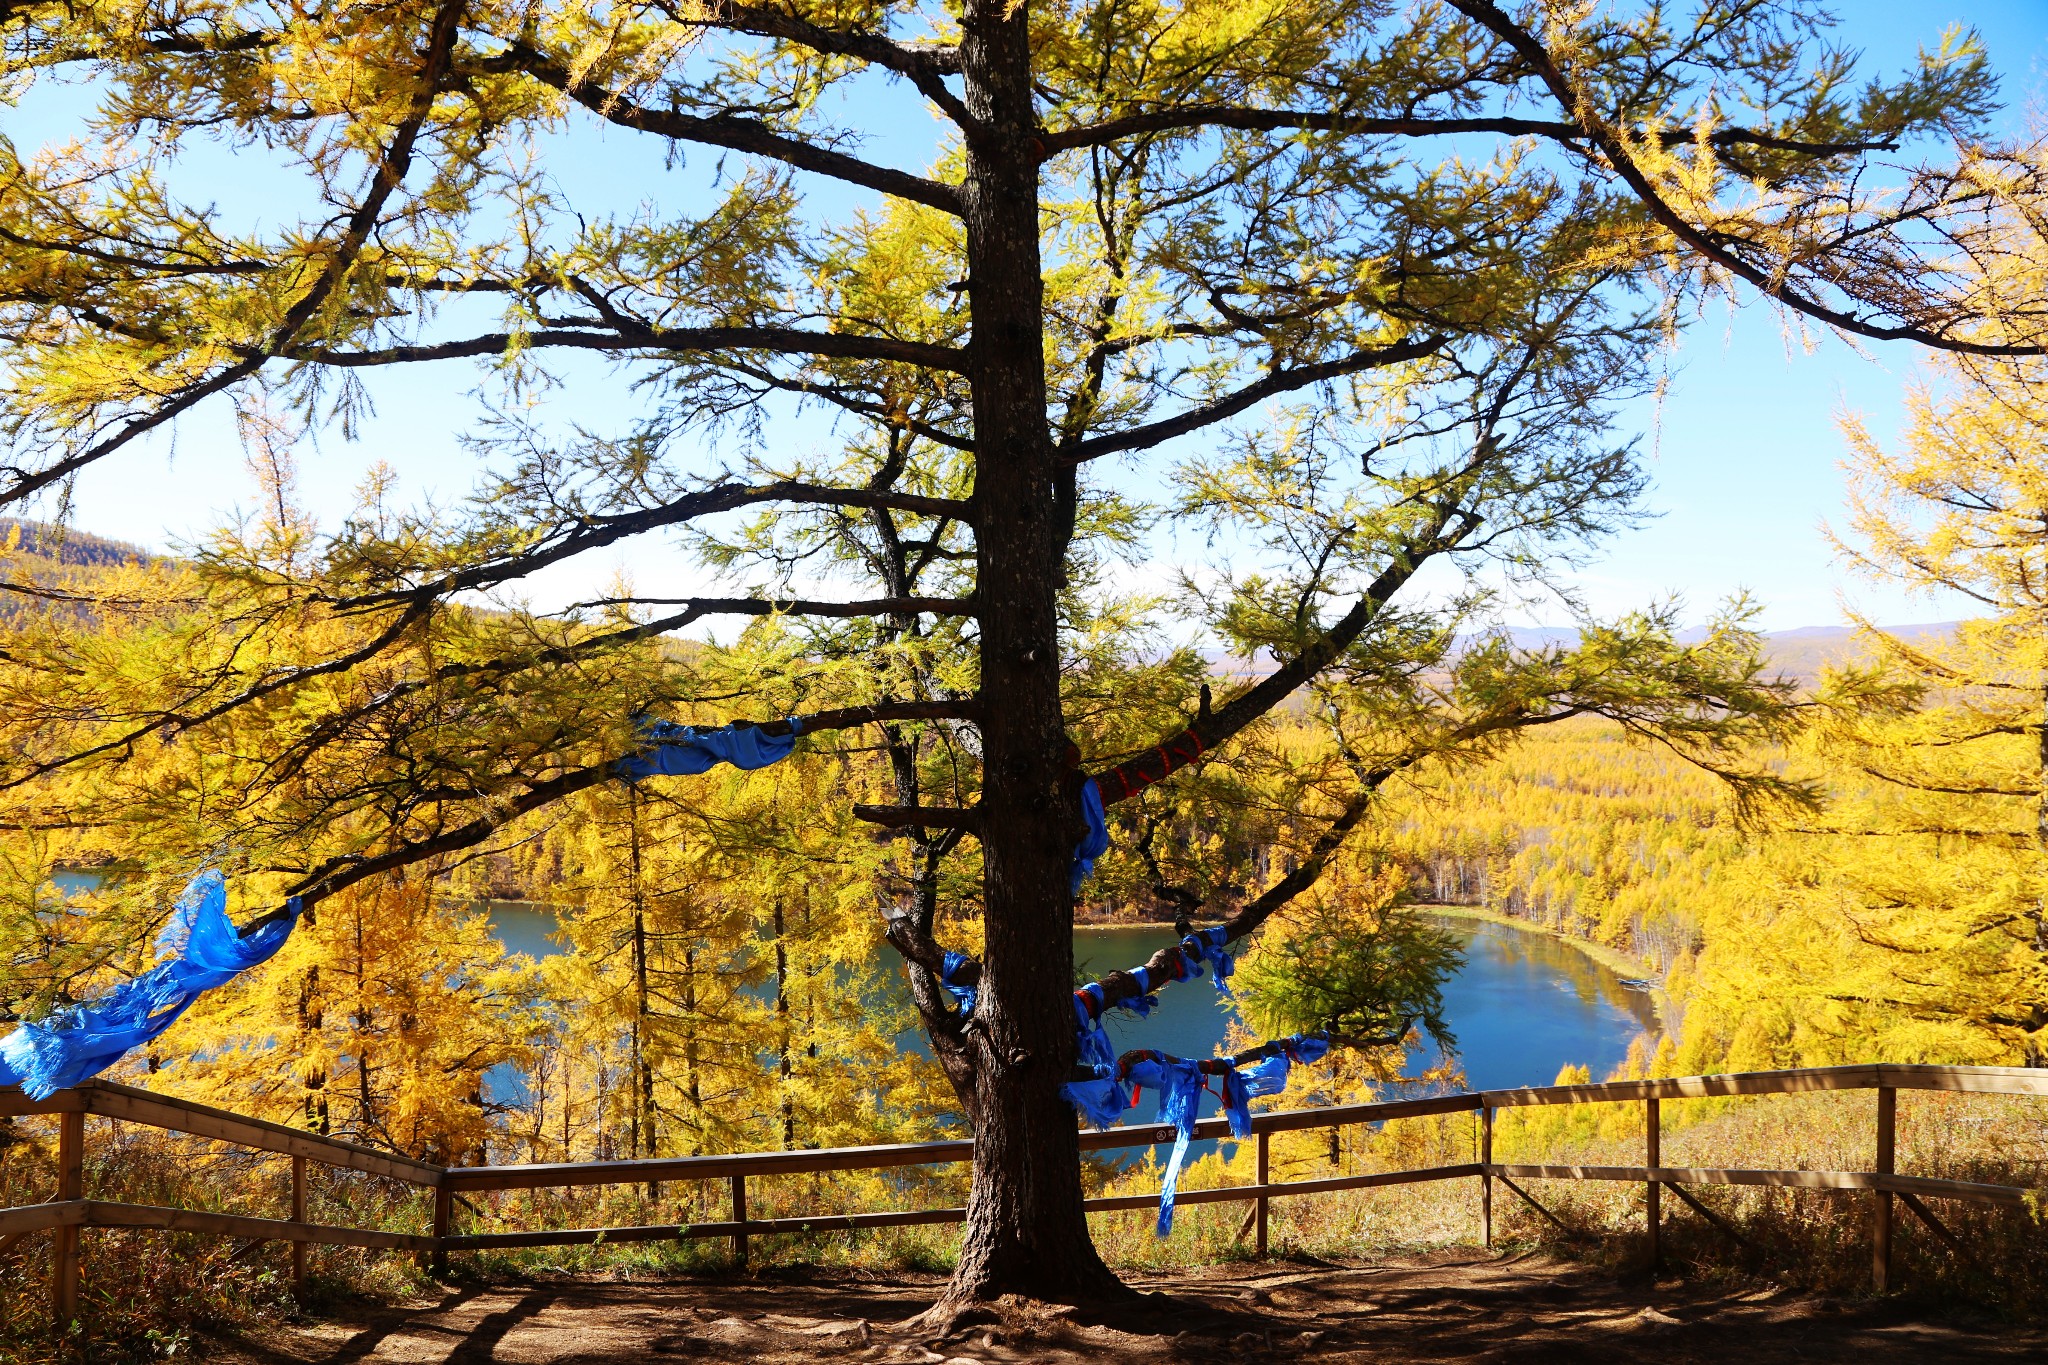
376,1022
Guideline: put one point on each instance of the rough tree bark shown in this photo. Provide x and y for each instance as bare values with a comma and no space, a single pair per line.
1026,1230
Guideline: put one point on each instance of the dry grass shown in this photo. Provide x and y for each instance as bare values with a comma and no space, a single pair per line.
147,1294
144,1295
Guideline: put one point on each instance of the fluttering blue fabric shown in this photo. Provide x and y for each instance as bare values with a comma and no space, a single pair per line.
1179,1083
200,948
963,995
1237,1102
1207,946
677,750
1269,1076
1102,1099
1117,1085
1144,1002
1095,842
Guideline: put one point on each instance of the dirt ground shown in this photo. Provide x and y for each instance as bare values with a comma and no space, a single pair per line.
1470,1307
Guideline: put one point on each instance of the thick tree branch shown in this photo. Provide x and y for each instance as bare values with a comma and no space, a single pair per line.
1774,284
1213,728
1118,986
596,532
796,606
729,131
1241,118
924,66
390,173
1272,385
343,871
776,340
920,817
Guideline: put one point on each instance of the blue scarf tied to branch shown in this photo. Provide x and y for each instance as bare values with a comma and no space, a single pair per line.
1206,946
1179,1083
201,949
1095,842
1102,1099
1269,1076
963,995
679,750
1116,1086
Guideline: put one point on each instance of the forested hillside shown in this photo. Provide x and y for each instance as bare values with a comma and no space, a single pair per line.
725,987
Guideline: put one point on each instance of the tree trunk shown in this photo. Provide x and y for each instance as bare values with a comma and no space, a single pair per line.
2035,1054
1026,1232
783,1067
643,1074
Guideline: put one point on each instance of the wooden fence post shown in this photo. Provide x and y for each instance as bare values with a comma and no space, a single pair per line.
444,1213
1486,1173
299,1216
64,1240
1654,1156
1265,1170
739,1215
1881,1217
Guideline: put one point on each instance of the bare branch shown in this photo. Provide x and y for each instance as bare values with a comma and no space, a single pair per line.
1274,384
390,174
1213,728
794,606
345,870
779,340
1771,283
924,65
1238,117
920,817
596,532
730,131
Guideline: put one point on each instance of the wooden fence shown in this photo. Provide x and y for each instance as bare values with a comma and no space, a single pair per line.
71,1211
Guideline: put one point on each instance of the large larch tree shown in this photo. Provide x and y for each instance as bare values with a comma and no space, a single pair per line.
1382,271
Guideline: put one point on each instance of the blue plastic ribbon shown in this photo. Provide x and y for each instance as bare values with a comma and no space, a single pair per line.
963,995
202,950
1307,1047
1269,1076
679,750
1144,1002
1095,1049
1179,1083
1101,1101
1207,946
1103,1097
1237,1103
1095,842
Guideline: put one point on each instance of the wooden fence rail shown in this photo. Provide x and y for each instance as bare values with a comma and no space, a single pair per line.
71,1212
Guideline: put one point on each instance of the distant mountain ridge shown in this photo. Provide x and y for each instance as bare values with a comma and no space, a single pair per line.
66,544
1801,652
1804,652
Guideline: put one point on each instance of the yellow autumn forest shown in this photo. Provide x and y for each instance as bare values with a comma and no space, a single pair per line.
869,497
724,984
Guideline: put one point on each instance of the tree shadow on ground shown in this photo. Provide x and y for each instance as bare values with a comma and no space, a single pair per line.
1467,1307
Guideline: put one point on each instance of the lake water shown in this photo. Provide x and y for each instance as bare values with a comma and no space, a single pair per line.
1525,1004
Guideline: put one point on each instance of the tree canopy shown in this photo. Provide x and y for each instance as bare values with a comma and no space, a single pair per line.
1354,290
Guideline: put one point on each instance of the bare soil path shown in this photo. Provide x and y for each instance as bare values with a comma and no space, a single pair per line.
1455,1308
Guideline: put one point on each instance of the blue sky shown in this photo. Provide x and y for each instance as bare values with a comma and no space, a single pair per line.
1746,446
